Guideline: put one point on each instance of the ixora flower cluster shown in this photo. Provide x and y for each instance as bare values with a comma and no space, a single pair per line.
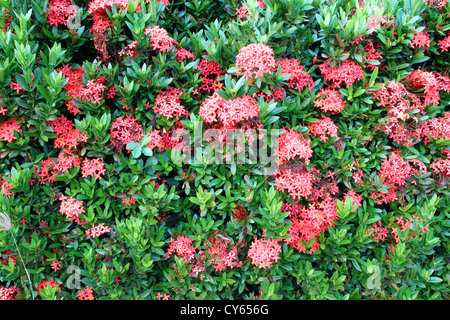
100,100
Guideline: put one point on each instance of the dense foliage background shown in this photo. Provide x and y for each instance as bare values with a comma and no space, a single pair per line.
91,92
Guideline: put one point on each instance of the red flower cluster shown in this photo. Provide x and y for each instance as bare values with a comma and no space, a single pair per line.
356,198
242,11
436,128
371,54
9,293
168,104
51,167
7,130
299,78
99,7
68,136
445,44
255,60
125,130
438,4
94,167
43,284
309,222
7,19
403,121
441,166
420,40
228,112
297,184
57,12
9,256
264,252
379,233
240,213
93,92
183,54
395,170
325,129
182,247
221,255
71,208
97,230
330,101
209,72
291,145
347,72
167,140
377,21
160,39
86,294
73,86
130,50
6,186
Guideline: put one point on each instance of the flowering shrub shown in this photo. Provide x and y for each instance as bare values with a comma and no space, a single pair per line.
155,149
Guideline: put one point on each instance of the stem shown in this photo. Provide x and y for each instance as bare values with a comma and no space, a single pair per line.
23,264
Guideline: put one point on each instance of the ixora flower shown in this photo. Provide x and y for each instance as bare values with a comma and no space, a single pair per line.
421,40
346,72
255,60
94,167
330,101
168,104
71,208
125,130
86,294
264,252
228,112
299,78
9,293
292,144
7,130
160,39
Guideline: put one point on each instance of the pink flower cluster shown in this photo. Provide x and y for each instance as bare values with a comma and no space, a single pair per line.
255,60
125,130
445,44
347,72
264,252
94,167
183,54
324,128
9,293
299,78
160,39
291,145
86,294
330,101
309,222
421,40
71,208
182,248
242,11
7,130
221,255
228,112
97,230
93,92
395,170
296,183
168,104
